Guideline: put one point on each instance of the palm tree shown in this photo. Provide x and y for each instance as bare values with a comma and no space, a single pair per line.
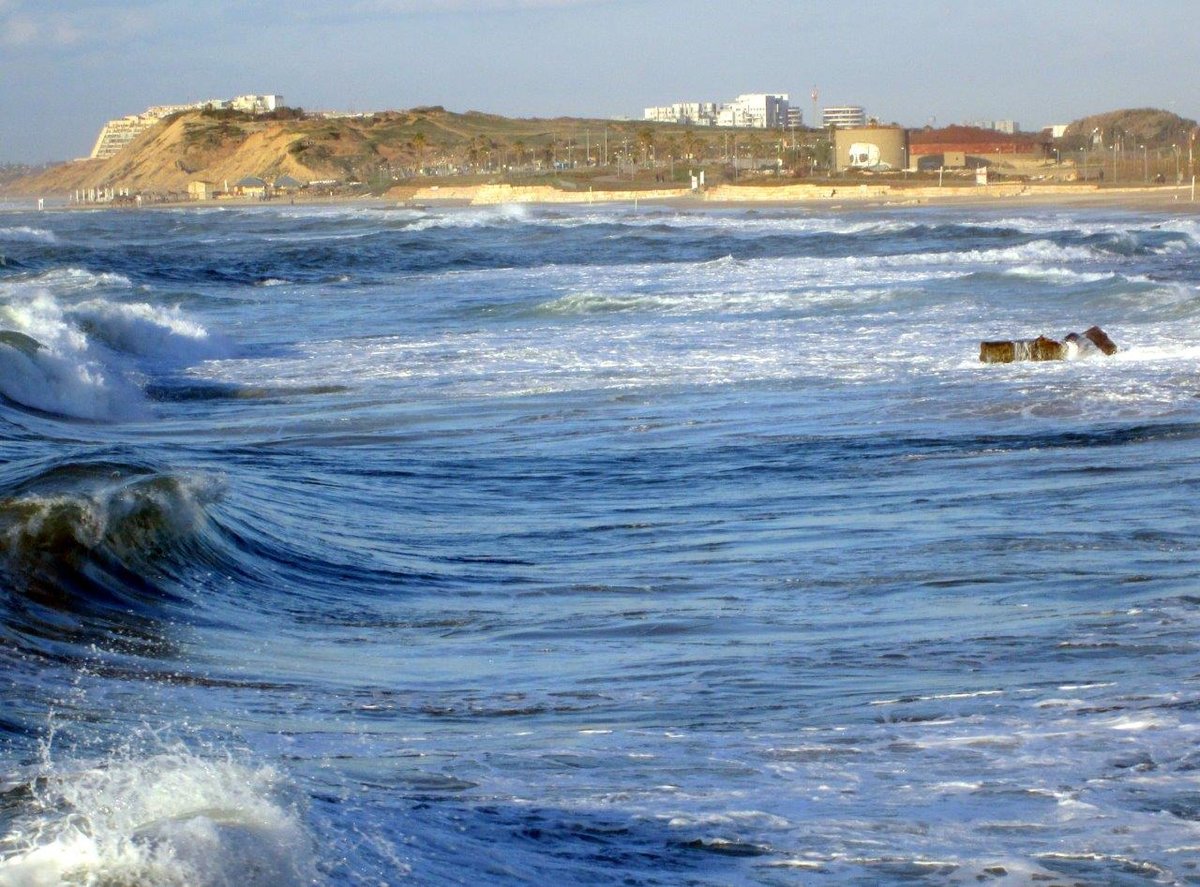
645,141
420,140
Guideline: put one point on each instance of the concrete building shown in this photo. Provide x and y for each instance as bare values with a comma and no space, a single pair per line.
755,111
116,134
201,190
972,147
251,186
1009,127
751,111
843,116
870,148
687,113
256,104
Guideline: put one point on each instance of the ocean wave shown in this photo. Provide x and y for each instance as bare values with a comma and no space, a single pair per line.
28,233
147,331
92,551
74,511
67,280
502,215
741,302
74,361
1059,274
172,819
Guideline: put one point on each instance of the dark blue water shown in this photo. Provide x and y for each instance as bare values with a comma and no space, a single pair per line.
366,545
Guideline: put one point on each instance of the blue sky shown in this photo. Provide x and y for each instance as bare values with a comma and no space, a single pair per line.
67,66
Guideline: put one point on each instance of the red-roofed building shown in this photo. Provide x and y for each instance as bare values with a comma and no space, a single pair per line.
970,146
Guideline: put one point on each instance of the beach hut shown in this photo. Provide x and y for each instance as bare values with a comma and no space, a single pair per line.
201,190
251,186
287,185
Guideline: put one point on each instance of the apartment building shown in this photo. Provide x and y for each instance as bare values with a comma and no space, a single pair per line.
753,110
118,133
843,116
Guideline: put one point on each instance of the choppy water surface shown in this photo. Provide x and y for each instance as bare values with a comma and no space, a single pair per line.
369,546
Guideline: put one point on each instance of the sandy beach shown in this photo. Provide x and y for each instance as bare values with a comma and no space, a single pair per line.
1162,198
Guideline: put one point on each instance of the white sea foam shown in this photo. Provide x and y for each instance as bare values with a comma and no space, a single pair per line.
146,330
80,367
171,819
25,232
476,218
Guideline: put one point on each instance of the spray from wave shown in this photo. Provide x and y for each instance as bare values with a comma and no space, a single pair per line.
170,819
84,361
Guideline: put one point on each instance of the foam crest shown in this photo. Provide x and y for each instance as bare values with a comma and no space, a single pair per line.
73,280
171,819
487,218
74,361
146,330
126,519
60,376
27,233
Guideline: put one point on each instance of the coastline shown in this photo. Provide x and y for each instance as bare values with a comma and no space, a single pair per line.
1163,198
832,196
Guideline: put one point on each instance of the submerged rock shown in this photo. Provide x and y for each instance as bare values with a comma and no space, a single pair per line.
1044,348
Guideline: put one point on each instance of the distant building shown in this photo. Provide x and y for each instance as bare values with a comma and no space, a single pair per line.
795,117
1058,130
967,146
843,116
753,111
1009,127
118,133
287,184
250,186
256,104
687,113
201,190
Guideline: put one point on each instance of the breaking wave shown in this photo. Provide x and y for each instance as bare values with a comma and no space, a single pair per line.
28,233
81,361
91,550
171,819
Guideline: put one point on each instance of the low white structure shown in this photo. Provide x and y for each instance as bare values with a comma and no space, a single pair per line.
844,116
1008,127
257,104
753,111
687,113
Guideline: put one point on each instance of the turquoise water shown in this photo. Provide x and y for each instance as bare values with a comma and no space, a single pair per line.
374,545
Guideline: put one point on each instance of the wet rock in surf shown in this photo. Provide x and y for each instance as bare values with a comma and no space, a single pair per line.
1092,340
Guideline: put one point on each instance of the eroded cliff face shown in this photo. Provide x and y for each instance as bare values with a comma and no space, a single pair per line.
191,147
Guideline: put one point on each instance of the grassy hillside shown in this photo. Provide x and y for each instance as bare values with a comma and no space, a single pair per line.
1130,128
383,149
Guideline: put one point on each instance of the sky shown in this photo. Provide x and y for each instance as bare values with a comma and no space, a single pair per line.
67,66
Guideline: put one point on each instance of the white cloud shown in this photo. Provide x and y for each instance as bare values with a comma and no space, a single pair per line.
18,30
57,29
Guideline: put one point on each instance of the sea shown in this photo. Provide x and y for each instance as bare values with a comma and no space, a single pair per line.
363,544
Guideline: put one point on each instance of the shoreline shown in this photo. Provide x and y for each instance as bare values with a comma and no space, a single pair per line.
831,196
